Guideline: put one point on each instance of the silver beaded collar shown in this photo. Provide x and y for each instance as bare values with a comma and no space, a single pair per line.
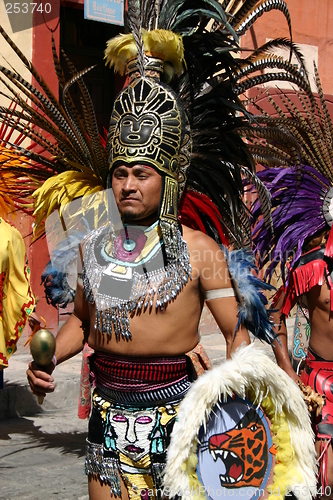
131,275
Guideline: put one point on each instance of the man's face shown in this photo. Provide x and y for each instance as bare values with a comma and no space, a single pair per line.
318,240
137,191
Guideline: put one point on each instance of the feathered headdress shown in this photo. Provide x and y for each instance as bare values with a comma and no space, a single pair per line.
212,90
301,193
201,40
200,148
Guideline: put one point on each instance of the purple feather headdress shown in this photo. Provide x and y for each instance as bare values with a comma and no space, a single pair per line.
297,197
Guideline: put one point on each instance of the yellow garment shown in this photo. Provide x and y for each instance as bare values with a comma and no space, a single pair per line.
16,299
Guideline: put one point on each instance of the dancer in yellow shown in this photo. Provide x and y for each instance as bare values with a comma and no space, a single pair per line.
17,300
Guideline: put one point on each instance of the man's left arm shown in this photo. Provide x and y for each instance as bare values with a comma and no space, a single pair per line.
215,284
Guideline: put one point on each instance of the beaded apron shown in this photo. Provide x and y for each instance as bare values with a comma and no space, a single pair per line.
135,404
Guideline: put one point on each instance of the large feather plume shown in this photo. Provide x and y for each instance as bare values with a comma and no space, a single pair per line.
298,183
250,290
297,201
60,274
64,139
59,190
213,93
212,89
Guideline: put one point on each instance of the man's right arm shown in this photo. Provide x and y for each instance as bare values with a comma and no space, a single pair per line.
69,342
74,333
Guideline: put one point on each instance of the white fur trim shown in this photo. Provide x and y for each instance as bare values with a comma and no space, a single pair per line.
251,368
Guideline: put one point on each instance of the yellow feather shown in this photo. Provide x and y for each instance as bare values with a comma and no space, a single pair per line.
161,43
286,471
165,44
59,190
119,50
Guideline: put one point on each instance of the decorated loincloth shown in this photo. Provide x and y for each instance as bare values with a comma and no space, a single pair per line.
135,404
318,374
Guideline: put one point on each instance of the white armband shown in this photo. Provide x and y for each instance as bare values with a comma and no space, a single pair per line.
219,293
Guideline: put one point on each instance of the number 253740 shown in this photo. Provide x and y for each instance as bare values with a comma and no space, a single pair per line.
27,7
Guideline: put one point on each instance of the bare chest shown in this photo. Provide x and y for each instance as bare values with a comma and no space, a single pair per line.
168,330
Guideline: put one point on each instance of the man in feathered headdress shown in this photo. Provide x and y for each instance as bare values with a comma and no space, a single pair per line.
143,281
173,159
302,246
142,292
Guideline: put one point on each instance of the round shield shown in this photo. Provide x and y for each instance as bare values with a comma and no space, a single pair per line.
242,431
236,451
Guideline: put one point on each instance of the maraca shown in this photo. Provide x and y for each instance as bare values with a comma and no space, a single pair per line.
42,347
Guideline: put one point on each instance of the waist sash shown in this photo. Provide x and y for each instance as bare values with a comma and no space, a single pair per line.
140,381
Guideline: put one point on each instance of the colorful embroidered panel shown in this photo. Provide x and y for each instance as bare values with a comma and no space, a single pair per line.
134,447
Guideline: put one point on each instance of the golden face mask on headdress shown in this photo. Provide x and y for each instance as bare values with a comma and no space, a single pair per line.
146,127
